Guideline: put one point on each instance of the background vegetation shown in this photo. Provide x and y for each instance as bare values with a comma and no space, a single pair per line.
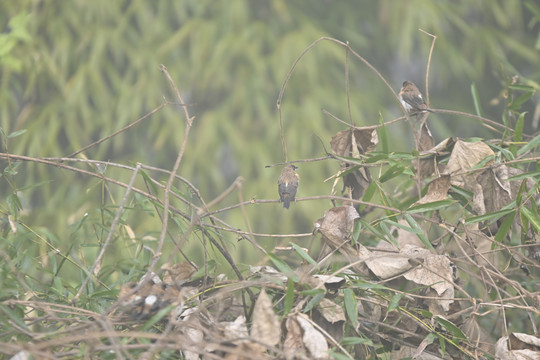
75,72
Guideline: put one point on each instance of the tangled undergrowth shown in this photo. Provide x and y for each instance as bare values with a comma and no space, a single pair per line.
429,254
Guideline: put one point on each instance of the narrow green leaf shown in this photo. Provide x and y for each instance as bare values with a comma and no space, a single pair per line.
391,173
314,301
368,286
431,206
289,297
519,196
532,144
16,133
350,306
476,99
149,181
303,254
532,217
518,131
520,100
453,329
489,216
312,292
157,317
369,192
442,342
530,174
284,267
525,88
14,314
388,233
14,205
394,303
356,341
505,227
418,231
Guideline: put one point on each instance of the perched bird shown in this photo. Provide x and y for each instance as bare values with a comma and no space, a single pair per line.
288,185
412,99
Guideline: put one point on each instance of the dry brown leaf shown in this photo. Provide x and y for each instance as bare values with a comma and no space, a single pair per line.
504,351
336,227
434,270
386,265
235,329
465,156
330,311
496,189
520,341
352,143
293,344
493,191
313,340
265,327
425,167
437,190
365,140
331,282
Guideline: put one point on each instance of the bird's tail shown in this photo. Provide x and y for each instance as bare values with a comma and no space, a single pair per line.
286,203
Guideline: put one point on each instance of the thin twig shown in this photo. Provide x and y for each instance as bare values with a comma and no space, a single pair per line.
97,264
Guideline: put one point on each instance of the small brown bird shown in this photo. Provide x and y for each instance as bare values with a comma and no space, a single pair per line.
412,99
288,185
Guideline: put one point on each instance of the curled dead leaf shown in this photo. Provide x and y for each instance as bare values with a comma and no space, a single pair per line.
353,143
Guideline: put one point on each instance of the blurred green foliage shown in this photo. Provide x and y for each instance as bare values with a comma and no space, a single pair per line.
74,72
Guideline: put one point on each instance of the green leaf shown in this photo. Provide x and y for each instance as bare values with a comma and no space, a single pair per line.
489,216
418,231
289,298
16,133
522,188
518,131
505,227
391,173
356,341
14,314
149,181
284,267
532,217
532,144
157,317
431,206
525,88
303,254
448,326
394,302
312,292
530,174
388,233
314,301
517,102
350,306
476,99
14,204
